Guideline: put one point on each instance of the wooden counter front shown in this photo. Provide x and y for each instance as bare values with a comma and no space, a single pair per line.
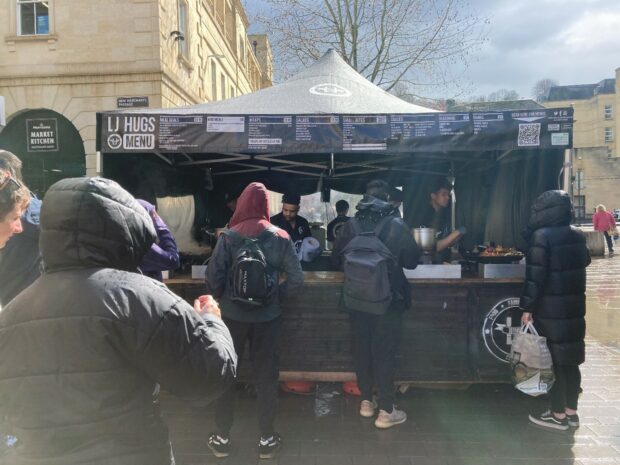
458,330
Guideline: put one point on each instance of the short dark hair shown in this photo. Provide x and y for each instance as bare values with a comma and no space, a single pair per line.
378,188
342,206
396,195
292,198
441,183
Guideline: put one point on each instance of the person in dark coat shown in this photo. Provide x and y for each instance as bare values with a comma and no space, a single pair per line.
376,337
20,260
554,300
163,255
85,346
260,327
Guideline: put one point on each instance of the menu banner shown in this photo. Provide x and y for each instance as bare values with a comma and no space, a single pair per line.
376,133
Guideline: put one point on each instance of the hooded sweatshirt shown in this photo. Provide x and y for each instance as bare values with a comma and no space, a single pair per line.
555,277
85,345
251,218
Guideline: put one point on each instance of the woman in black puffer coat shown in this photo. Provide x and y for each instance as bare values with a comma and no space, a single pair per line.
554,299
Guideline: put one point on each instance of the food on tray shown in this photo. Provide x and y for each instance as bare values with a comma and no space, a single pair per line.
493,250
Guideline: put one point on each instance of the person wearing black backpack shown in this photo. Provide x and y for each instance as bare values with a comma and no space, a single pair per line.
373,248
252,267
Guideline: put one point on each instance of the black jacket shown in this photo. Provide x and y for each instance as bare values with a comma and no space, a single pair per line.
395,235
555,283
84,347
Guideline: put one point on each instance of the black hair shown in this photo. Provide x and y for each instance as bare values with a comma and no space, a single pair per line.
441,183
342,206
378,188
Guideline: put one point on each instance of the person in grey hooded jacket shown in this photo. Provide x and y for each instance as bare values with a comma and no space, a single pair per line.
85,345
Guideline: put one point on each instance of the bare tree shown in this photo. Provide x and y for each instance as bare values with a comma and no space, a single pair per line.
419,42
540,91
503,95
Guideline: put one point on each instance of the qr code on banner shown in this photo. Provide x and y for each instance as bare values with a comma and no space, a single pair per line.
529,135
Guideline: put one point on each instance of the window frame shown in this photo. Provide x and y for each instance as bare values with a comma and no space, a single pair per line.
609,135
183,27
223,86
17,5
213,80
608,111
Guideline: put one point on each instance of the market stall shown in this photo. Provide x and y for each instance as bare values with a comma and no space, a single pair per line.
328,128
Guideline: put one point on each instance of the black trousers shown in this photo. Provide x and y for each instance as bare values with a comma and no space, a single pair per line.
264,340
565,391
375,342
610,241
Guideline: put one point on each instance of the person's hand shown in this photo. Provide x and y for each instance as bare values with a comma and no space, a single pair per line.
526,318
206,304
462,230
282,278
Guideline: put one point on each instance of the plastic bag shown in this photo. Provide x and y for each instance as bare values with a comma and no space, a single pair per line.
530,359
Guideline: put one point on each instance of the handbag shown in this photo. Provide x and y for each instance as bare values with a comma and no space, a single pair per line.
530,360
613,231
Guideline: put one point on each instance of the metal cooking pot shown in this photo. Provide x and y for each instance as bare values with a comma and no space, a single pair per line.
425,237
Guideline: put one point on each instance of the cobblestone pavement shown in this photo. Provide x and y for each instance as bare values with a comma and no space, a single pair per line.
485,424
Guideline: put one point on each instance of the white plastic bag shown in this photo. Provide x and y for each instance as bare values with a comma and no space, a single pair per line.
530,359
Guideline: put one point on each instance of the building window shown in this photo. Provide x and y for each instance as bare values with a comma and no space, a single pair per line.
183,29
232,91
33,17
609,112
241,50
579,204
609,135
213,81
223,85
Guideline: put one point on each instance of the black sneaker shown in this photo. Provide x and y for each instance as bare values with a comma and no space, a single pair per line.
548,421
268,447
219,445
573,420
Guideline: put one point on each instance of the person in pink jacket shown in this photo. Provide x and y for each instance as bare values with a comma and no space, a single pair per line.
603,221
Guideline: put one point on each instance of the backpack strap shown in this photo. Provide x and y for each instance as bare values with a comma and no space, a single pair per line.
382,224
234,235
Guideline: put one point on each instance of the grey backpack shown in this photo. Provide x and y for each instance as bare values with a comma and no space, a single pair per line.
368,265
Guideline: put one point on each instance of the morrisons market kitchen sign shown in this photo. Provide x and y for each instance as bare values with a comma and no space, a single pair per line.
42,135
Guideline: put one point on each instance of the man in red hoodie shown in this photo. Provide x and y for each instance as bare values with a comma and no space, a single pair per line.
258,325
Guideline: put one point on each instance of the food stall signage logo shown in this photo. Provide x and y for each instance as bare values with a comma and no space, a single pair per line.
499,326
138,132
330,90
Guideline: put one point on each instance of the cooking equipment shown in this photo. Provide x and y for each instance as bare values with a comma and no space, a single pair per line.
505,258
425,238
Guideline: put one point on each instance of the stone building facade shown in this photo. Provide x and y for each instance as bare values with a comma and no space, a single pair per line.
61,62
596,154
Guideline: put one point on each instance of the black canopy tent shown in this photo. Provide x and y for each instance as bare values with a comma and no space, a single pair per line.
329,128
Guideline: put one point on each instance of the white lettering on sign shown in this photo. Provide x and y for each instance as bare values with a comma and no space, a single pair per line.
139,141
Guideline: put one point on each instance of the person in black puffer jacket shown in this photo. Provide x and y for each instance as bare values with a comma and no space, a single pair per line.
84,347
554,300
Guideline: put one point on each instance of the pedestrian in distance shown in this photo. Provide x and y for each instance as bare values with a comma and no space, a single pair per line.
253,266
85,347
373,248
603,221
554,300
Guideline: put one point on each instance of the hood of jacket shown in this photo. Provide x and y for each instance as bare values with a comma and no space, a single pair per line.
373,208
551,208
93,222
251,216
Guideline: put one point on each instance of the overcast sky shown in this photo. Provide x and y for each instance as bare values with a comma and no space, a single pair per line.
571,41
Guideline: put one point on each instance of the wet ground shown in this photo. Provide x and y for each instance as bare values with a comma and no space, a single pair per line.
485,424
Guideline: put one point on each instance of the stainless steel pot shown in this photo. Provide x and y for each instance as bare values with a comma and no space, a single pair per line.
425,237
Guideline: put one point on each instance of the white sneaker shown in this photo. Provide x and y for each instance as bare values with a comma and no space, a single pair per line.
387,420
367,408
